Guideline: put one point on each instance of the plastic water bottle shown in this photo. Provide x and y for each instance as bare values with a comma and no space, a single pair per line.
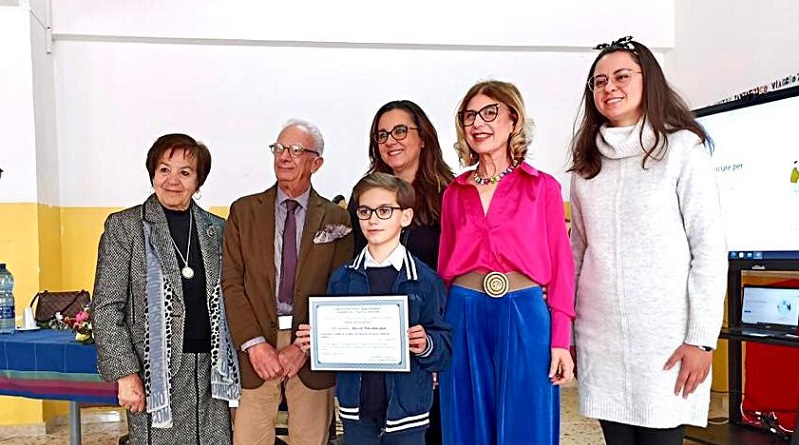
7,321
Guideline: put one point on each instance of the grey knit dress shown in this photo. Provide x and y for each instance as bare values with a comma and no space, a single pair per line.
651,263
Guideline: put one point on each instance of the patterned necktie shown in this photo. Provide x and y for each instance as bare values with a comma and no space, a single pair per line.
288,262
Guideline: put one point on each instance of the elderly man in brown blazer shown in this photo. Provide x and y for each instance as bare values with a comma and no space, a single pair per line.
280,246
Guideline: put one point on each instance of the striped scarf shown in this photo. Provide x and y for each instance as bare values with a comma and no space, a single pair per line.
225,382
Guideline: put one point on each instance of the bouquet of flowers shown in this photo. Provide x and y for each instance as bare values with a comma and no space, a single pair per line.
81,324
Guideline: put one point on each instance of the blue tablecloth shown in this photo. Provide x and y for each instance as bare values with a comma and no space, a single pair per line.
49,364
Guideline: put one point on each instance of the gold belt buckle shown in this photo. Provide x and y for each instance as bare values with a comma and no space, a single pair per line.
496,284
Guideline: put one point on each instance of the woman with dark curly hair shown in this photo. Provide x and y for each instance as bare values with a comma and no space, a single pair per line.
404,143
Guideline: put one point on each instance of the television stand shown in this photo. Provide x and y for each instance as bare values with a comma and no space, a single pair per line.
735,432
729,434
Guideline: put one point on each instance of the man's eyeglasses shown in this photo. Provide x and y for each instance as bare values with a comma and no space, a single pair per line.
382,212
399,132
295,150
488,113
619,78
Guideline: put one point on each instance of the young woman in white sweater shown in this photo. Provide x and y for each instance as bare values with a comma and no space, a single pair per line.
649,251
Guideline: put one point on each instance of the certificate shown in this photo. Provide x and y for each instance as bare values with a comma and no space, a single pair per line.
359,333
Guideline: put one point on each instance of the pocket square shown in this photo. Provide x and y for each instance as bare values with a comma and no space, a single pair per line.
330,233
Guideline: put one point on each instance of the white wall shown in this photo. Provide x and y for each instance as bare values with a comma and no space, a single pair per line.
115,99
516,23
127,72
724,47
17,150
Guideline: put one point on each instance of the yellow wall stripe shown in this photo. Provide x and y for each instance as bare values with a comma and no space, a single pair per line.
56,248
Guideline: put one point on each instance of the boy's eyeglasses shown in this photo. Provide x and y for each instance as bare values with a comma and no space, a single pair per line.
488,113
295,150
620,78
399,132
382,212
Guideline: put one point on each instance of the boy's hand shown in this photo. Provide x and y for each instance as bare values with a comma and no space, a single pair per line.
417,339
303,339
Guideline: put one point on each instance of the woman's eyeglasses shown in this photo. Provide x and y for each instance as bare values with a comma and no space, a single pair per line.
382,212
488,113
295,150
620,78
399,132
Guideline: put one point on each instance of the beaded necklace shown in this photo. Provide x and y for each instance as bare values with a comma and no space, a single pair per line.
479,180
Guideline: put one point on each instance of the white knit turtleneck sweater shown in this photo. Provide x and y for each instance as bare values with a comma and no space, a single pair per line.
651,265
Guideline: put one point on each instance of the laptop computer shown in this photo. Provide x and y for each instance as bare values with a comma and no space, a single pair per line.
770,311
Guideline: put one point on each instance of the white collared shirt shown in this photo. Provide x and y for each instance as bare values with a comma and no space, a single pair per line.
396,258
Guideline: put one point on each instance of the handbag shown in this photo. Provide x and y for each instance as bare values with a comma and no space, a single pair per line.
67,303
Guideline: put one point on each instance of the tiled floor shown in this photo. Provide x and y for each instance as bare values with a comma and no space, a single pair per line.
105,433
575,429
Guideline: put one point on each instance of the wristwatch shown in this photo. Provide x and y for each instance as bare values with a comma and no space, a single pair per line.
705,348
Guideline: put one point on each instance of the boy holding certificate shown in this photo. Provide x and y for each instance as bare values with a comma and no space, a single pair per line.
390,408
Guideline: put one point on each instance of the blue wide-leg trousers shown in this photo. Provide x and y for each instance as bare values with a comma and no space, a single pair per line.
497,390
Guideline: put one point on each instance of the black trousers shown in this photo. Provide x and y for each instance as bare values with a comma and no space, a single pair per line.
623,434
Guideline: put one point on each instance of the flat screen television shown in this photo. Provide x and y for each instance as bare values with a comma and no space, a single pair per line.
756,157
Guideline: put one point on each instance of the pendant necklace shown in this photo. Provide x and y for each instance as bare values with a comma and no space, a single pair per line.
186,271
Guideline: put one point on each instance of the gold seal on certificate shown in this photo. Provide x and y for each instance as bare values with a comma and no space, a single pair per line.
359,333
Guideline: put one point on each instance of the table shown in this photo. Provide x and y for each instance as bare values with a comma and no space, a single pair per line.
50,364
735,433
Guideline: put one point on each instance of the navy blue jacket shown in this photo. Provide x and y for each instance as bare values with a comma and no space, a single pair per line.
410,394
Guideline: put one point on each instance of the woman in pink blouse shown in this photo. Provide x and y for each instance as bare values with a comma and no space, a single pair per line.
502,240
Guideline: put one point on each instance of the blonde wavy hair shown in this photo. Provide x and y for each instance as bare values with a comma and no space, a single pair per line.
507,94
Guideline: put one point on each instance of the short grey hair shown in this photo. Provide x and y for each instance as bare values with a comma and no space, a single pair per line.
311,129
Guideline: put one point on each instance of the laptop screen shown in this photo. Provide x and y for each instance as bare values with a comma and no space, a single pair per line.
770,307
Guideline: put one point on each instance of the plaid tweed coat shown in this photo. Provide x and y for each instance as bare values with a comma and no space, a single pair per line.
119,317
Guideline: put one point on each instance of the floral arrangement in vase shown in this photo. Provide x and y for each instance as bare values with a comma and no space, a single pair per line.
81,324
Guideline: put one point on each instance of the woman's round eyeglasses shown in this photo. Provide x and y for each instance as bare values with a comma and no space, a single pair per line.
488,113
399,132
620,78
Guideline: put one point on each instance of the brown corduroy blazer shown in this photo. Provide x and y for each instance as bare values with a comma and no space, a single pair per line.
248,273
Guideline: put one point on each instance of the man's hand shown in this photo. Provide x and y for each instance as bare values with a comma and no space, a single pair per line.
561,367
292,358
417,339
264,361
130,392
694,368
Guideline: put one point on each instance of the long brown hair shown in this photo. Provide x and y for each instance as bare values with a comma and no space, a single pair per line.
663,109
433,174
